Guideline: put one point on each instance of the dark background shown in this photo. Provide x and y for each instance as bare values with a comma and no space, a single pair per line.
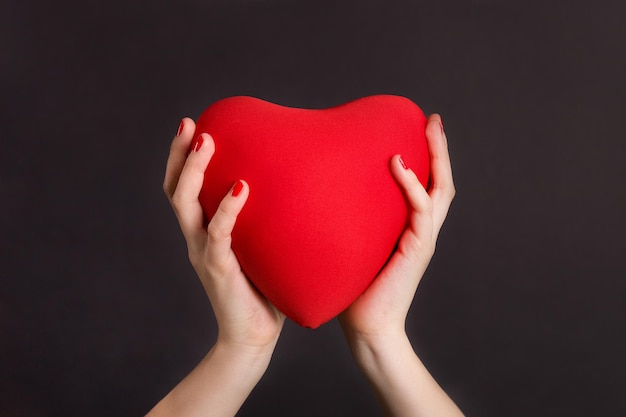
522,309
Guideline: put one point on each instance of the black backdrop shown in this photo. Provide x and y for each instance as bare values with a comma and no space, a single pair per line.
522,309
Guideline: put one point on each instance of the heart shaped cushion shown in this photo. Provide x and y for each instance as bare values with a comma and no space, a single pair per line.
324,213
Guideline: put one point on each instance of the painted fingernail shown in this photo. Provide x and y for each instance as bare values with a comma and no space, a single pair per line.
237,188
180,127
197,144
402,163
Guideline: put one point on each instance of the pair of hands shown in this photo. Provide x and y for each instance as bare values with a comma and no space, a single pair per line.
245,318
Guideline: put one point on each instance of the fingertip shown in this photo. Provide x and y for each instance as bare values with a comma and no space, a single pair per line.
398,162
185,127
402,163
223,221
397,166
434,127
237,188
181,143
408,182
240,190
202,142
435,117
402,173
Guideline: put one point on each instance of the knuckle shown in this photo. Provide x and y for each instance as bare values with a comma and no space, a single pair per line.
193,257
176,201
178,205
423,247
215,233
452,192
445,191
166,190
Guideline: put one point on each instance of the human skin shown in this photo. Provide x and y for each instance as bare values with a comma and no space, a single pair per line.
374,325
249,326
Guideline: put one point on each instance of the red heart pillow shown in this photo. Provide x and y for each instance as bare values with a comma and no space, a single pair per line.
324,213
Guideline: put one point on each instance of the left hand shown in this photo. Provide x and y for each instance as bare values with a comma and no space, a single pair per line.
245,318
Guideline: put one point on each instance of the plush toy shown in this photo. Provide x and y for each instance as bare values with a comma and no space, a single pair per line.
324,213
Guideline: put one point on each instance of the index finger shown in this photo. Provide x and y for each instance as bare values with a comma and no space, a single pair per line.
178,156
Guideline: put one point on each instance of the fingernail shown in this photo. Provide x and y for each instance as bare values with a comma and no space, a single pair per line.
237,188
402,163
197,144
180,127
441,126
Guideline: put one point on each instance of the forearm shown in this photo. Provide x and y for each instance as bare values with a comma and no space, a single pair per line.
218,386
402,383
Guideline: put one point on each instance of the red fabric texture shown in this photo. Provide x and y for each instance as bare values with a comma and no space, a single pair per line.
324,213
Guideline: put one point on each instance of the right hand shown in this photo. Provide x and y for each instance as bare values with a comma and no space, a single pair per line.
380,312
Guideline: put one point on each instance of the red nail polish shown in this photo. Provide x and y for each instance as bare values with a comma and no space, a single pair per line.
402,163
197,144
237,188
180,127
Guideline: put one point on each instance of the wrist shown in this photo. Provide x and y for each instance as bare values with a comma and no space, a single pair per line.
219,384
371,349
255,356
401,382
